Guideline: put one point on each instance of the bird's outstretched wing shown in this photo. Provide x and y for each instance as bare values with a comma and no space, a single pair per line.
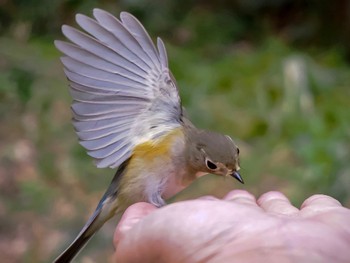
123,91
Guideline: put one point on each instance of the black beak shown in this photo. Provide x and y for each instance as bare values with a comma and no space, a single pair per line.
236,175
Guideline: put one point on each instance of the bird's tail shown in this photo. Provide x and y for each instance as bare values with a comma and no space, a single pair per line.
106,208
93,224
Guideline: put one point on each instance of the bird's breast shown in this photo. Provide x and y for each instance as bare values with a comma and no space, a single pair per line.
155,169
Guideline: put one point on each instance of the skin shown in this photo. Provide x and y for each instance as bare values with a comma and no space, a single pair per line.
237,227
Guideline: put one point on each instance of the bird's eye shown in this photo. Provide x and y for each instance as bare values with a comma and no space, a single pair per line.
237,150
211,165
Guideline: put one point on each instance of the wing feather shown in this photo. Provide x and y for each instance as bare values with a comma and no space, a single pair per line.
113,25
91,135
120,114
96,125
98,91
105,145
162,53
99,32
141,35
121,154
101,83
111,73
93,46
121,86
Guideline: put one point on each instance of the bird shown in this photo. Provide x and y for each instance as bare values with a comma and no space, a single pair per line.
128,115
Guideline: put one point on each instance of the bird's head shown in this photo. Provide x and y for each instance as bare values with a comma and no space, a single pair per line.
215,153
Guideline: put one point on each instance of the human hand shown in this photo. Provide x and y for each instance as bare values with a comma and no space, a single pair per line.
237,228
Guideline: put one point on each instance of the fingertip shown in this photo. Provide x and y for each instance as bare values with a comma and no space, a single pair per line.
208,197
238,193
241,197
320,200
132,215
271,195
277,203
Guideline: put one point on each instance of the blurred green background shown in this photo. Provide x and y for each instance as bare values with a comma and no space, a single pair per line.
273,74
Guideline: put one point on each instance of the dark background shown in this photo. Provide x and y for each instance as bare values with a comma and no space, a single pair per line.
272,74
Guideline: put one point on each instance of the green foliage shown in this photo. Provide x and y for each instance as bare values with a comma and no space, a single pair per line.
35,197
24,81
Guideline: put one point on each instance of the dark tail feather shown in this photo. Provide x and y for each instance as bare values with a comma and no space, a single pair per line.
84,236
104,211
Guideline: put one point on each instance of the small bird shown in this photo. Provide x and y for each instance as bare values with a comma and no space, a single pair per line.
128,115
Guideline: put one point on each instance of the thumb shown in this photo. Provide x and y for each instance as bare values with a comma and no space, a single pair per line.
131,217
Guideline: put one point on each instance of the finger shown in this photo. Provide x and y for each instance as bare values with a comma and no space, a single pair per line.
320,201
130,218
277,203
208,197
317,204
241,197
